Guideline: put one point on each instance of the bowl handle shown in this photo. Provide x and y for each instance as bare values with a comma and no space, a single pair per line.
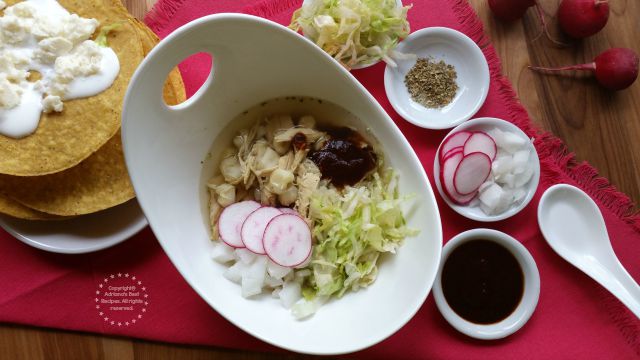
145,92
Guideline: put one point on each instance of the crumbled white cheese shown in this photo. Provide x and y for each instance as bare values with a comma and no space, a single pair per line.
83,60
10,93
43,36
52,103
50,48
12,67
14,30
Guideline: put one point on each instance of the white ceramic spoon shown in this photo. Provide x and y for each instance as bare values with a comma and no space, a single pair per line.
573,226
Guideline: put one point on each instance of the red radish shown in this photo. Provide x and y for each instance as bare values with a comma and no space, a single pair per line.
583,18
286,210
231,220
287,240
615,69
453,141
471,172
452,151
447,172
253,228
481,142
511,10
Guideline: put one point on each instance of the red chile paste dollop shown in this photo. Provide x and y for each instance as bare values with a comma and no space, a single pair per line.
345,158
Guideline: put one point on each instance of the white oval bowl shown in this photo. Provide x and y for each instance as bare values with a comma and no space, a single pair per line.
474,212
456,49
166,153
523,311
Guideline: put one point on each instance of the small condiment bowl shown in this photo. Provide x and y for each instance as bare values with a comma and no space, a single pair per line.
454,48
527,304
474,212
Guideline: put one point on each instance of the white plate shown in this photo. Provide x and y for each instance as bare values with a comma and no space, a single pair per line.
474,212
456,49
82,234
166,152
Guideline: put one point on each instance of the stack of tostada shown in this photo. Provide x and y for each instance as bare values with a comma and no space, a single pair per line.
72,164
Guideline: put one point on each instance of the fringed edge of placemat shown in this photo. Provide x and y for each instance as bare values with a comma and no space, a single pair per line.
160,14
560,160
269,8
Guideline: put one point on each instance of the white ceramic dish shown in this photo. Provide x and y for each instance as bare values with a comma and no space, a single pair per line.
82,234
166,153
454,48
475,213
529,300
359,66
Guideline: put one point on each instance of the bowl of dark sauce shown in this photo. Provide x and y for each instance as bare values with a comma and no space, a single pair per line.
488,284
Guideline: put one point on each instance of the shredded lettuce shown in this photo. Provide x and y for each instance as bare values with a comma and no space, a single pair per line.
352,228
354,32
101,39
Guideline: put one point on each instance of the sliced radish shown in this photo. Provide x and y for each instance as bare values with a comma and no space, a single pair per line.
481,142
286,210
253,228
453,141
287,240
451,152
231,220
447,171
471,172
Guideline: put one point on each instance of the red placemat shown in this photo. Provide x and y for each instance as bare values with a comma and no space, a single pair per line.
575,318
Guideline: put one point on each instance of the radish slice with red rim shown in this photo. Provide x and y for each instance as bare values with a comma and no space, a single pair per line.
231,220
471,172
253,228
453,141
286,210
453,151
447,172
287,240
481,142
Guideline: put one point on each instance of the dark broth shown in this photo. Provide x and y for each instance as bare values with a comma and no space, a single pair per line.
482,281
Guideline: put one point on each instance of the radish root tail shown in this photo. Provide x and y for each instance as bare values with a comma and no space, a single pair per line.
545,29
581,67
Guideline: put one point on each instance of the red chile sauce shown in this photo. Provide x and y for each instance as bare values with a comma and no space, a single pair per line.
345,158
482,281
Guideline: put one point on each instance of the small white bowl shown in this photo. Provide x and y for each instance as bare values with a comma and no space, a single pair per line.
454,48
527,304
474,212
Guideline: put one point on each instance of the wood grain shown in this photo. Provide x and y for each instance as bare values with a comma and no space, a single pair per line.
601,127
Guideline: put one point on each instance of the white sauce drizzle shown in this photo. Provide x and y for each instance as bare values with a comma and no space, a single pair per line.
92,85
23,119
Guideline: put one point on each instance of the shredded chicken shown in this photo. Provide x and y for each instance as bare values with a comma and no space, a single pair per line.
269,164
308,178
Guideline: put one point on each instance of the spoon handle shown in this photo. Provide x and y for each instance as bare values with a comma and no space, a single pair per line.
619,283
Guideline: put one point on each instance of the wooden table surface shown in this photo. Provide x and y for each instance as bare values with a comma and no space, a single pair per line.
600,127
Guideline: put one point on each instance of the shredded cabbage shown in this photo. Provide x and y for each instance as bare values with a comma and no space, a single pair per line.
351,229
101,39
354,32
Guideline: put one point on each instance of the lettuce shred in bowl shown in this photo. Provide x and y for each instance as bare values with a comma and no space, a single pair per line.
283,162
354,32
